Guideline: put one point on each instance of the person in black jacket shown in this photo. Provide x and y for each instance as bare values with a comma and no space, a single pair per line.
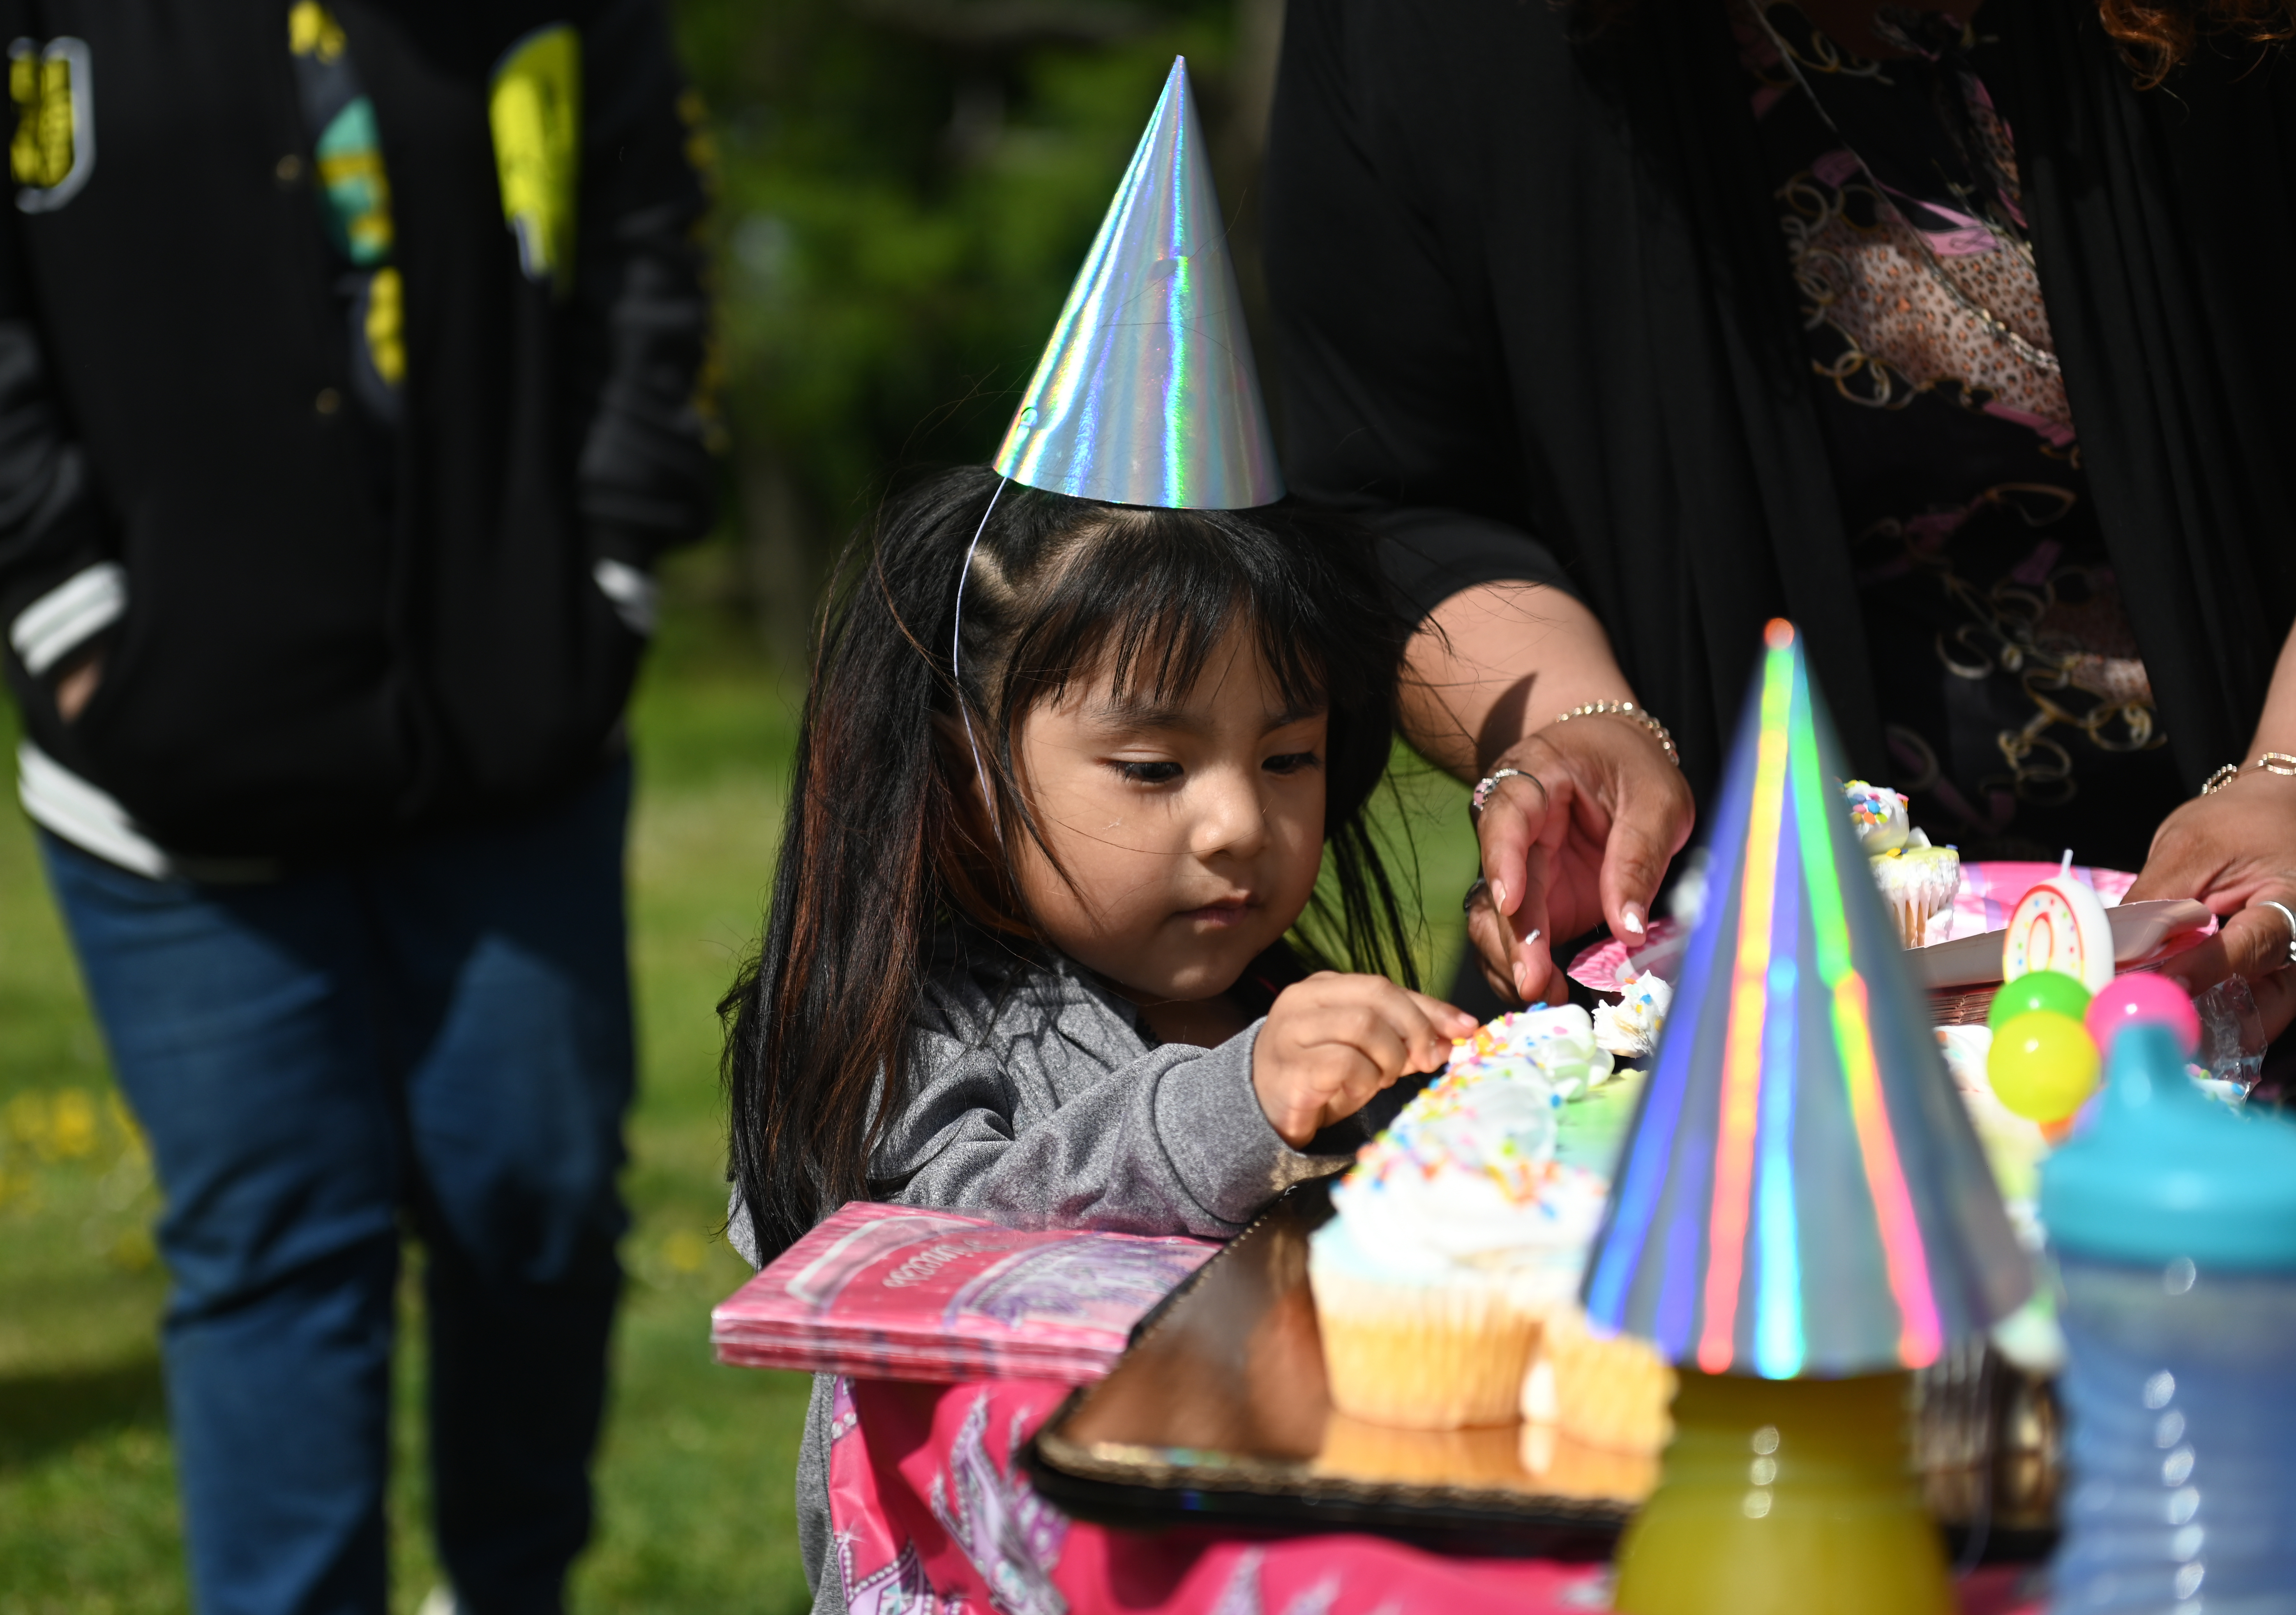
1953,333
352,360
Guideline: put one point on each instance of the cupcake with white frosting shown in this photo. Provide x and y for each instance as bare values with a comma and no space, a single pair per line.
1456,1233
1613,1392
1916,880
1558,1044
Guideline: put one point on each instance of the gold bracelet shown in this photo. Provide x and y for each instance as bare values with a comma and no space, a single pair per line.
2271,762
1626,709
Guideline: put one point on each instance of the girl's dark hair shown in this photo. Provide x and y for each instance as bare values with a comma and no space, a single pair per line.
879,845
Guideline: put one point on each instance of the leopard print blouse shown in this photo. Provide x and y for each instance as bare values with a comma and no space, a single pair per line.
2020,714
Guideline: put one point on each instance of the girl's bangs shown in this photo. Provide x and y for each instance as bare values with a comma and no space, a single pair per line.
1147,599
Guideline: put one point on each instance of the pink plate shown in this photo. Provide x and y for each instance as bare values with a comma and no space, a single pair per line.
1604,966
1989,891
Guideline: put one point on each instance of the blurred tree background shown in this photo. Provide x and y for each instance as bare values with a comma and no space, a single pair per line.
908,189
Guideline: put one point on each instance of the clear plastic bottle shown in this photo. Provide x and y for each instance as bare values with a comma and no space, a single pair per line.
2173,1219
2232,1033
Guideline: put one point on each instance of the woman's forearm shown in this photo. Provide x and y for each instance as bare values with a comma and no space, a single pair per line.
1498,661
2275,731
2234,849
1585,838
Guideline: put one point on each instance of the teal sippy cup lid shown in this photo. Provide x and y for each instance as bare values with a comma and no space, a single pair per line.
2162,1170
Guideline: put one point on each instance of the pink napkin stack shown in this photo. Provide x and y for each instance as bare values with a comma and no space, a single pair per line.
894,1293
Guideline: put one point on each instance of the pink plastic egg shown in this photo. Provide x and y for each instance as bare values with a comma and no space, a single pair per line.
2126,1000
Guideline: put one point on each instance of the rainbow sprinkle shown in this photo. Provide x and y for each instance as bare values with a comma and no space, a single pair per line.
1425,1137
1870,805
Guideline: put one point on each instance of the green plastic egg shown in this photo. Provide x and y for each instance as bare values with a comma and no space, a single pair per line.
2040,989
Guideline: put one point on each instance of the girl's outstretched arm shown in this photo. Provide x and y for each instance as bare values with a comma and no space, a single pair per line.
1041,1134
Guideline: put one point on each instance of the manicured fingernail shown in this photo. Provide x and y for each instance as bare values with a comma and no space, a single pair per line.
1498,893
1522,979
1631,919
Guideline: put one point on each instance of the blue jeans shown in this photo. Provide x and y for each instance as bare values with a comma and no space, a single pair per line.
431,1040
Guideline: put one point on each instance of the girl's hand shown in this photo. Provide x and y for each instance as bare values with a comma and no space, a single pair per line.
1333,1041
2232,850
1587,839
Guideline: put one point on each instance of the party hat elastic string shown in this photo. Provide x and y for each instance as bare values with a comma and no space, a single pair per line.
956,652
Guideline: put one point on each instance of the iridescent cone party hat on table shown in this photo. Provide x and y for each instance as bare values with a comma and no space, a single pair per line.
1801,1214
1147,393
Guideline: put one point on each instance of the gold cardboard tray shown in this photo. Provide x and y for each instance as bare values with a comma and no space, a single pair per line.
1220,1411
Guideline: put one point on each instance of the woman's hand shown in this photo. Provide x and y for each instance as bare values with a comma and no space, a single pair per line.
1333,1041
1587,838
2232,850
1591,840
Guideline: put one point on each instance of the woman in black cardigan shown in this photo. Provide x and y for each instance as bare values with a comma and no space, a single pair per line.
1964,338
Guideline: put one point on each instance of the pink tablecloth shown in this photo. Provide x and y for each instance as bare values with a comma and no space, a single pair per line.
933,1516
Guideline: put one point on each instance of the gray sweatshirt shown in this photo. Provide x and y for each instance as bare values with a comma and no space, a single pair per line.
1038,1100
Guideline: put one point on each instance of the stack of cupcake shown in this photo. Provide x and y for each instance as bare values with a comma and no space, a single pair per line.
1917,881
1446,1286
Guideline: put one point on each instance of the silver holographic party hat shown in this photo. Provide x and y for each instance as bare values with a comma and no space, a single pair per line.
1147,394
1801,1193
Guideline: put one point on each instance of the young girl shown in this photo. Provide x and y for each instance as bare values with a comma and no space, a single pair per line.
1027,950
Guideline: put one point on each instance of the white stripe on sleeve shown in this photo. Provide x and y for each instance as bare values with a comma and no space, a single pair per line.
68,616
61,802
630,592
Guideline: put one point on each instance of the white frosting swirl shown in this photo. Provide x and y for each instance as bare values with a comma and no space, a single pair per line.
1879,816
1629,1028
1465,1183
1556,1042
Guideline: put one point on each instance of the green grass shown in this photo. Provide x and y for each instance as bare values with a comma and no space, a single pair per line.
694,1478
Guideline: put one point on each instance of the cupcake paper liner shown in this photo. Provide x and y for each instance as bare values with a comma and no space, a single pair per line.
1435,1356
